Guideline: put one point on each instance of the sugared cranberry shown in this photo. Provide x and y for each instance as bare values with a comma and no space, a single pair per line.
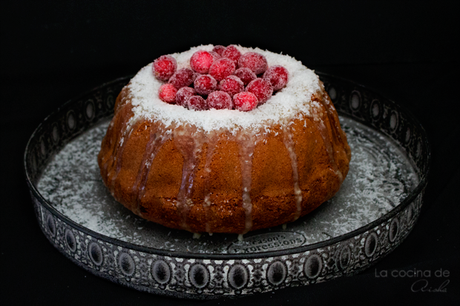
205,84
231,84
222,68
261,88
215,55
197,103
183,77
219,100
214,75
246,75
183,95
218,49
164,67
201,61
254,61
195,75
245,101
232,53
167,93
277,76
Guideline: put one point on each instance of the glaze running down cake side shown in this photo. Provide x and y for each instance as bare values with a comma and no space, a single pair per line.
225,170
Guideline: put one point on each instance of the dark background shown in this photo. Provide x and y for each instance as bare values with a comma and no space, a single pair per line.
54,50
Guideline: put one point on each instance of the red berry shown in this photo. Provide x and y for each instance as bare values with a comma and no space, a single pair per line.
164,67
277,76
231,84
167,93
261,88
222,68
245,101
201,61
219,100
183,95
232,53
218,49
254,61
197,103
183,77
205,84
195,75
246,75
215,55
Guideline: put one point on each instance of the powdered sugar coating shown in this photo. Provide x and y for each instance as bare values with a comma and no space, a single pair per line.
287,104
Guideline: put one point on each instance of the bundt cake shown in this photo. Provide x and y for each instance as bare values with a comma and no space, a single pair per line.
228,170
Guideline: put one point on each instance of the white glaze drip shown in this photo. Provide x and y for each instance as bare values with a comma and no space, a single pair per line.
289,143
190,145
247,143
155,142
327,144
212,143
335,124
125,134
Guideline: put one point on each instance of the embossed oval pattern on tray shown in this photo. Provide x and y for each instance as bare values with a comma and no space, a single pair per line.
175,264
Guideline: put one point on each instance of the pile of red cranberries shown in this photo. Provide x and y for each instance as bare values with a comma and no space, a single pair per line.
223,78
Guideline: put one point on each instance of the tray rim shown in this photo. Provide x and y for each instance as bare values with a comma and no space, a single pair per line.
237,256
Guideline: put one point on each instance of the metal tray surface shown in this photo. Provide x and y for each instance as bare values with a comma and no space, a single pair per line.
375,209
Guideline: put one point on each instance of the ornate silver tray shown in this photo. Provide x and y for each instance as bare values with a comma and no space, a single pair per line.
374,211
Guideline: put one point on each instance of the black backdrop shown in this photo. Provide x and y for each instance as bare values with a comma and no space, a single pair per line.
54,50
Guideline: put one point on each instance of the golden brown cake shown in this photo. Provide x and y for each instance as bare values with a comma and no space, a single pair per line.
225,171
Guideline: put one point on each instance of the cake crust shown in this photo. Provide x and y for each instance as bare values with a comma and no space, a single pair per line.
224,180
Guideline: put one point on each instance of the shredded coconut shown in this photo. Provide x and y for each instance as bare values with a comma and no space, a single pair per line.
289,102
380,178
